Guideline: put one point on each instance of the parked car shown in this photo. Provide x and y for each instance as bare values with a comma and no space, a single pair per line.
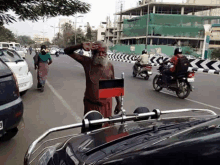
20,51
149,138
61,51
20,68
4,45
11,105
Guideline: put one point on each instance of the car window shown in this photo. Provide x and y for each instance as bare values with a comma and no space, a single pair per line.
5,45
9,56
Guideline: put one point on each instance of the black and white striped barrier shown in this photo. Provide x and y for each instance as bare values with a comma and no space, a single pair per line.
196,65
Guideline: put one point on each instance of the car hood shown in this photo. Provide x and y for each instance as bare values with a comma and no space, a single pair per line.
126,138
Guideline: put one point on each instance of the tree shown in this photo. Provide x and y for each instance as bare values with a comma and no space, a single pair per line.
94,35
6,35
47,43
89,32
67,33
215,54
80,37
58,40
36,9
25,40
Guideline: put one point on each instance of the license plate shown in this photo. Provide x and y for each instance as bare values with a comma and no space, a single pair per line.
22,85
150,73
1,125
190,79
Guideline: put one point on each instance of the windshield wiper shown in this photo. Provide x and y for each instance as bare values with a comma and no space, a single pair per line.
19,61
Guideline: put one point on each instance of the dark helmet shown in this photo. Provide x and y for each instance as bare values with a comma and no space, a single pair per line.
178,51
144,51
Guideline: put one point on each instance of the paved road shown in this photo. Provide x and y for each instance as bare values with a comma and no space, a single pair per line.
62,101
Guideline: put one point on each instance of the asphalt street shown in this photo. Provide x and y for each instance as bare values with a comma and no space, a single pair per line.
62,101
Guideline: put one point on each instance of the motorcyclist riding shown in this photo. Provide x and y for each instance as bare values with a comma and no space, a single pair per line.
142,60
180,65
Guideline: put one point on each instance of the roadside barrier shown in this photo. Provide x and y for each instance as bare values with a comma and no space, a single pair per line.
196,65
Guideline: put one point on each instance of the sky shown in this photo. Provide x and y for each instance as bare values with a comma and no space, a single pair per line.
100,9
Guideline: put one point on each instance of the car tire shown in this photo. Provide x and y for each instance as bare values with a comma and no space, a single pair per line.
9,134
23,93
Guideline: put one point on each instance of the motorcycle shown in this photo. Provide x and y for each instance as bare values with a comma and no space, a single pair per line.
57,54
143,71
180,83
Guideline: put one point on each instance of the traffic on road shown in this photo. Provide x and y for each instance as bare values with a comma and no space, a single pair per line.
61,104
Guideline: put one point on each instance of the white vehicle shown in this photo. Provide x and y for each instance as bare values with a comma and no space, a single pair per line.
19,67
4,45
14,44
53,50
20,51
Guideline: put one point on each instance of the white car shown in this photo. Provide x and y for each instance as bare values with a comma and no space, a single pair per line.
85,53
53,50
20,51
19,67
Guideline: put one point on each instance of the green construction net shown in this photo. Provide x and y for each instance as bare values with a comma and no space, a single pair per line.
167,25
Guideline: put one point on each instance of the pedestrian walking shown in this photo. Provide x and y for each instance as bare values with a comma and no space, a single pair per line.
42,60
30,50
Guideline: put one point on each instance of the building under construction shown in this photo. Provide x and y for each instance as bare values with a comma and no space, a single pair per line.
159,23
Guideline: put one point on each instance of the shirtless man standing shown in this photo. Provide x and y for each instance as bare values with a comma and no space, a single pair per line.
96,68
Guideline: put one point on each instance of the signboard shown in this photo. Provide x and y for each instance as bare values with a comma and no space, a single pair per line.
132,48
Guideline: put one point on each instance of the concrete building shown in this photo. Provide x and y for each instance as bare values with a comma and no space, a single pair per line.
151,23
101,34
40,39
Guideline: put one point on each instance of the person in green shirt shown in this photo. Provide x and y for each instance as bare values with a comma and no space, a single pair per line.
42,61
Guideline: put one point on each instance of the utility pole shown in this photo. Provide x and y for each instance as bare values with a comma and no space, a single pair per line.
148,13
120,25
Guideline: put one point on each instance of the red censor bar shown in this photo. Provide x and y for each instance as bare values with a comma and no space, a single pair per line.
107,93
111,88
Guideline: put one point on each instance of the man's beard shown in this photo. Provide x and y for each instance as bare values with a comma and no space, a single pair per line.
100,60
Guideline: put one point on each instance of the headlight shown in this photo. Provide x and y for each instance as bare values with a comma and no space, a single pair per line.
45,158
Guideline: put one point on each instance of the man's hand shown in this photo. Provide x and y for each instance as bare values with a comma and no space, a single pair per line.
35,67
87,46
117,109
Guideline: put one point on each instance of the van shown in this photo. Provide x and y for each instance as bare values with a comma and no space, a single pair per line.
4,45
14,44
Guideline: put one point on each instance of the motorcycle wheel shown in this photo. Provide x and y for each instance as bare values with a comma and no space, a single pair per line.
183,91
147,76
134,74
157,87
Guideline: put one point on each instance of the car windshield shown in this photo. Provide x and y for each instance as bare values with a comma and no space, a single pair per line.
9,56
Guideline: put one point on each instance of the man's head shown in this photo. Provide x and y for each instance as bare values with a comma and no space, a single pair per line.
178,51
99,54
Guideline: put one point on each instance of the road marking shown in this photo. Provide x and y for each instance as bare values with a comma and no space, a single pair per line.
65,104
193,101
76,117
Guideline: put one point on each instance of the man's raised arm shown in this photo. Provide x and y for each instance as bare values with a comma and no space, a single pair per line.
70,52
